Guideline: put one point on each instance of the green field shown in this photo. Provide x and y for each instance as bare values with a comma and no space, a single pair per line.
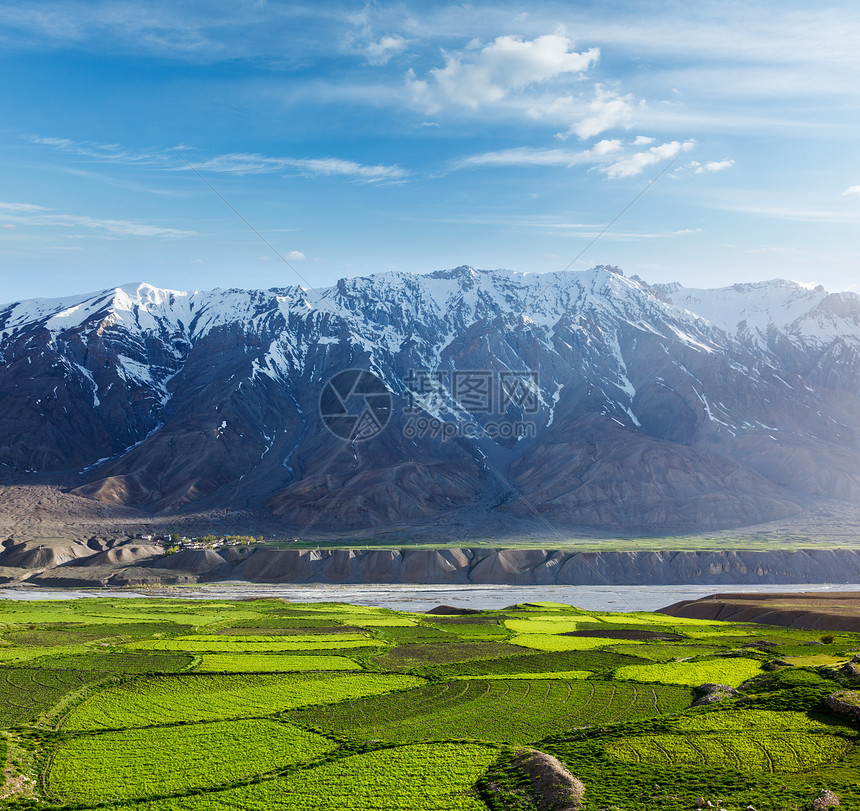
193,697
730,671
173,705
429,778
27,692
501,710
270,662
406,655
164,760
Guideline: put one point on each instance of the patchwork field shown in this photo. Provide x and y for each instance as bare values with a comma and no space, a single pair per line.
192,697
171,705
164,760
504,710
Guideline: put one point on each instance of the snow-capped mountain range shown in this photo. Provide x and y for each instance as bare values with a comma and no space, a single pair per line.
638,407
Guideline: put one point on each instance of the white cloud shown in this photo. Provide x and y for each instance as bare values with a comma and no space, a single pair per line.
107,152
714,166
528,156
33,215
8,225
295,256
642,140
378,53
252,163
851,190
779,211
236,163
605,111
636,163
489,75
525,79
21,207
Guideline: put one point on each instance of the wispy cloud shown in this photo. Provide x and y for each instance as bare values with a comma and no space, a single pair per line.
252,164
240,163
105,152
532,156
710,166
25,207
615,160
381,51
789,213
635,164
851,190
40,216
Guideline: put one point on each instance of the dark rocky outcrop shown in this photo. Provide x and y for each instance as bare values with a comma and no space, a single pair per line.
712,693
533,779
845,702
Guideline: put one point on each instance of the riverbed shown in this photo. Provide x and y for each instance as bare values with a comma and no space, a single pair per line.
424,597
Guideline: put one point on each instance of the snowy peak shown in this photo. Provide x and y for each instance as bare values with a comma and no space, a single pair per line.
755,312
636,406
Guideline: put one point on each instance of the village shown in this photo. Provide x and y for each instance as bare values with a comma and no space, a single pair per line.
178,543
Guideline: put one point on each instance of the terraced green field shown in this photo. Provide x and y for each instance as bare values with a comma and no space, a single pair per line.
406,656
429,778
665,651
730,671
270,662
139,763
172,705
269,644
119,662
553,643
751,752
193,697
27,692
505,710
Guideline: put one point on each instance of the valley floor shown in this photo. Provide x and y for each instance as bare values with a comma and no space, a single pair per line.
149,704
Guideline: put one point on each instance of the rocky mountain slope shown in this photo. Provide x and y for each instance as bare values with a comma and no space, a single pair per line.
609,403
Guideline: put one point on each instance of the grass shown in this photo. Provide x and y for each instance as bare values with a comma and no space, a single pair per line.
270,662
140,763
509,710
119,662
664,651
440,777
26,693
750,752
549,642
74,633
192,697
544,625
407,656
730,671
535,663
220,705
256,644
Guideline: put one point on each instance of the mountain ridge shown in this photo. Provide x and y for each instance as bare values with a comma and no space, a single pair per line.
658,407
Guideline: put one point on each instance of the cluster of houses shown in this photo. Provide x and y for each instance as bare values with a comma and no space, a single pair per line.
178,542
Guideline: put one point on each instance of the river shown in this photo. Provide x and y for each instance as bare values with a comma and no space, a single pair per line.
422,598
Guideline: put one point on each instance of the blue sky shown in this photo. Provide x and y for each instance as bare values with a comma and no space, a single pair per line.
359,138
